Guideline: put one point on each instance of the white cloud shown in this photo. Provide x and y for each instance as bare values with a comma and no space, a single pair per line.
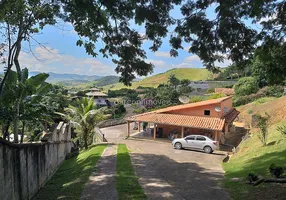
192,58
162,54
157,63
51,60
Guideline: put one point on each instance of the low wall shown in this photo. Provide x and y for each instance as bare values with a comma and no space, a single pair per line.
111,122
24,168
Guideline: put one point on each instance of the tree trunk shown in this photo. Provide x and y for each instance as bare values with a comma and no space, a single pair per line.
15,121
23,129
85,140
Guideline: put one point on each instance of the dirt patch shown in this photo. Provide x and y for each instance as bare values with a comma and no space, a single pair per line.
275,108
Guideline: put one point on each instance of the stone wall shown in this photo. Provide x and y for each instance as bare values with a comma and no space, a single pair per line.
24,168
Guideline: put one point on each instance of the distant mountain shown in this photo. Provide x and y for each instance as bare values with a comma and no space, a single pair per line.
107,80
54,77
194,74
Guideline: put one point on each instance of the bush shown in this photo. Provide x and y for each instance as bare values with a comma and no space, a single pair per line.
263,126
282,130
196,99
246,86
274,91
210,90
252,177
242,100
139,110
276,171
216,96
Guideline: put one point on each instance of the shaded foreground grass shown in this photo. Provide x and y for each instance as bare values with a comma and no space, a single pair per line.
253,157
69,180
127,184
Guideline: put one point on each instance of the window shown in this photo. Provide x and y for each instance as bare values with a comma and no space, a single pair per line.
207,112
226,109
200,138
190,138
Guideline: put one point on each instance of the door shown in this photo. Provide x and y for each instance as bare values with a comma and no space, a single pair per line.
200,142
189,141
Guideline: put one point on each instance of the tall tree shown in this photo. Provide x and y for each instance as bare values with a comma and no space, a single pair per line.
269,63
224,35
173,80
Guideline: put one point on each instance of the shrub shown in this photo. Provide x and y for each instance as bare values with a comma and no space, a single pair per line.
210,90
246,86
282,130
274,91
216,96
276,171
196,99
242,100
139,110
263,126
252,177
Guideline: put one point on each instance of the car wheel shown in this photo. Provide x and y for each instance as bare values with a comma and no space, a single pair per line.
178,145
208,149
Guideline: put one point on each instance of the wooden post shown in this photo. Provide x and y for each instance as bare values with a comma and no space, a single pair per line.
216,136
128,128
154,132
182,133
139,127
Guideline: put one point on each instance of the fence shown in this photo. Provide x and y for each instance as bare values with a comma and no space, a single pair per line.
98,136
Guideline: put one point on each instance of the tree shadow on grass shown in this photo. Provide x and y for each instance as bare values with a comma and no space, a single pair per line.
165,178
69,180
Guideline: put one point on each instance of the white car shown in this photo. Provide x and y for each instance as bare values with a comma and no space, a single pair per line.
196,142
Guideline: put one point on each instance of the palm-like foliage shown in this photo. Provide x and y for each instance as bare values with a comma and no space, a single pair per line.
84,117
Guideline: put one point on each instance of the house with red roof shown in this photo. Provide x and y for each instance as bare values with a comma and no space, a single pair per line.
212,118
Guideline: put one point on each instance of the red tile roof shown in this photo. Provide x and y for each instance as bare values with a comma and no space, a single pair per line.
209,123
231,115
191,105
226,91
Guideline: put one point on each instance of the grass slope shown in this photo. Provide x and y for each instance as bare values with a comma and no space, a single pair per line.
126,182
70,179
153,81
253,157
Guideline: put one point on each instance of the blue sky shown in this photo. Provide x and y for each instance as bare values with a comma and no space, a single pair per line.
61,55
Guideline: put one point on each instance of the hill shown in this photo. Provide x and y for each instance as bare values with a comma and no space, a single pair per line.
194,74
54,77
255,158
107,80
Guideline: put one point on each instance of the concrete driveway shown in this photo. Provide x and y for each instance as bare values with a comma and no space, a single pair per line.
167,173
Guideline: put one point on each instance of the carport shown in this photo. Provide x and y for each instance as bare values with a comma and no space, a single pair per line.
196,124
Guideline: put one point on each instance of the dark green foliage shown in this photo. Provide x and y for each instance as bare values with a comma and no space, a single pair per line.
246,86
269,63
252,177
274,91
139,110
174,81
107,80
276,171
119,109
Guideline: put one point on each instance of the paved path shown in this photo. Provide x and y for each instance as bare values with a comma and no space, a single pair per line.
101,184
167,173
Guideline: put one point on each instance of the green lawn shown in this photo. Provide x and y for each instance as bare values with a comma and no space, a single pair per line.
70,179
253,157
126,182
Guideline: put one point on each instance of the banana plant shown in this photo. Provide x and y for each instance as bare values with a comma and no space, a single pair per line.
84,117
17,95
